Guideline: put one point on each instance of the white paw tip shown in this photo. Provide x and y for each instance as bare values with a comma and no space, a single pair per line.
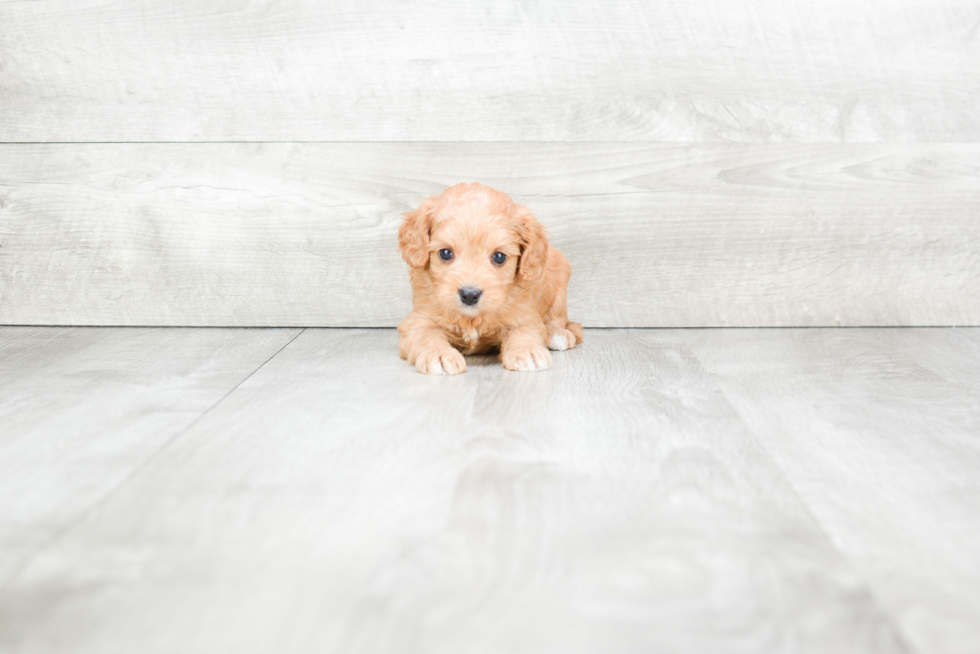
558,342
532,364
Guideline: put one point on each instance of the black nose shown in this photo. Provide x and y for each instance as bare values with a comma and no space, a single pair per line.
470,296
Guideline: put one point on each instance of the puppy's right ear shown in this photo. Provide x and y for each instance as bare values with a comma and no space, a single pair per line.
413,235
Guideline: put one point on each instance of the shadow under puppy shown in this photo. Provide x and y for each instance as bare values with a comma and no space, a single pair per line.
483,277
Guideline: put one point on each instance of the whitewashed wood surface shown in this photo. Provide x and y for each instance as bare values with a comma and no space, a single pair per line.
338,501
446,70
878,432
82,409
657,235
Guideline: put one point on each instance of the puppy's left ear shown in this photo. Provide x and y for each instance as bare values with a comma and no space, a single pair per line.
413,235
534,244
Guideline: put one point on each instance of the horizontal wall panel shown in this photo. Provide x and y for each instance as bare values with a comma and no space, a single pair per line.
658,235
443,70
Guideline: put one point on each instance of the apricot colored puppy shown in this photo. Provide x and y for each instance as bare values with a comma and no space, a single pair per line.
483,277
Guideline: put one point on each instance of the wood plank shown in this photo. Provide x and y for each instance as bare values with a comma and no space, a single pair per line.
953,354
338,501
879,433
658,235
441,70
81,409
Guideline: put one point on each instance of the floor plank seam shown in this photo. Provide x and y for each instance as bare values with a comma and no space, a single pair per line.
61,533
866,585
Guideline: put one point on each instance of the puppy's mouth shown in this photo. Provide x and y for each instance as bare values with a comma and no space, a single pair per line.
468,310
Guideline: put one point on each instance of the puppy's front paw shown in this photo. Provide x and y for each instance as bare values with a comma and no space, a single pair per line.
527,359
560,339
443,361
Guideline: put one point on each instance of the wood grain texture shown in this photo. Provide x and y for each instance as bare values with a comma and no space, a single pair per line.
338,501
658,235
443,70
81,409
878,432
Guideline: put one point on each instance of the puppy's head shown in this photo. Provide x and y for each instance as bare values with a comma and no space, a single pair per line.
476,246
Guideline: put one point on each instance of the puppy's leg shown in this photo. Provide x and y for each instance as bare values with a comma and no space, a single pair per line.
424,344
562,338
562,334
523,348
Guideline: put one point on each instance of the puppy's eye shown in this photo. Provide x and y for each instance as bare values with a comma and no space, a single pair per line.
446,254
499,258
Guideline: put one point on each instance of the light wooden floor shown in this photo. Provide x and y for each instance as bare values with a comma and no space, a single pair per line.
287,490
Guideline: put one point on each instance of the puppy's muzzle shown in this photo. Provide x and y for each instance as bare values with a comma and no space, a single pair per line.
469,295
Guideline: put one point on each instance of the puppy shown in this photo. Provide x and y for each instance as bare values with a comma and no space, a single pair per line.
483,277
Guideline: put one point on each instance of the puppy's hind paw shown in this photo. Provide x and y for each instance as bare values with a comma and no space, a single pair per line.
440,362
527,360
560,339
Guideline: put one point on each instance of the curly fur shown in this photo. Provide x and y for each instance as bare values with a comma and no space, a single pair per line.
522,308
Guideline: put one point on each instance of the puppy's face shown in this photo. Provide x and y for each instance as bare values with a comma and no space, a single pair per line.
473,263
475,245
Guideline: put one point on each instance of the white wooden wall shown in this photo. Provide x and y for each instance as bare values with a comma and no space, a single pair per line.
717,162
